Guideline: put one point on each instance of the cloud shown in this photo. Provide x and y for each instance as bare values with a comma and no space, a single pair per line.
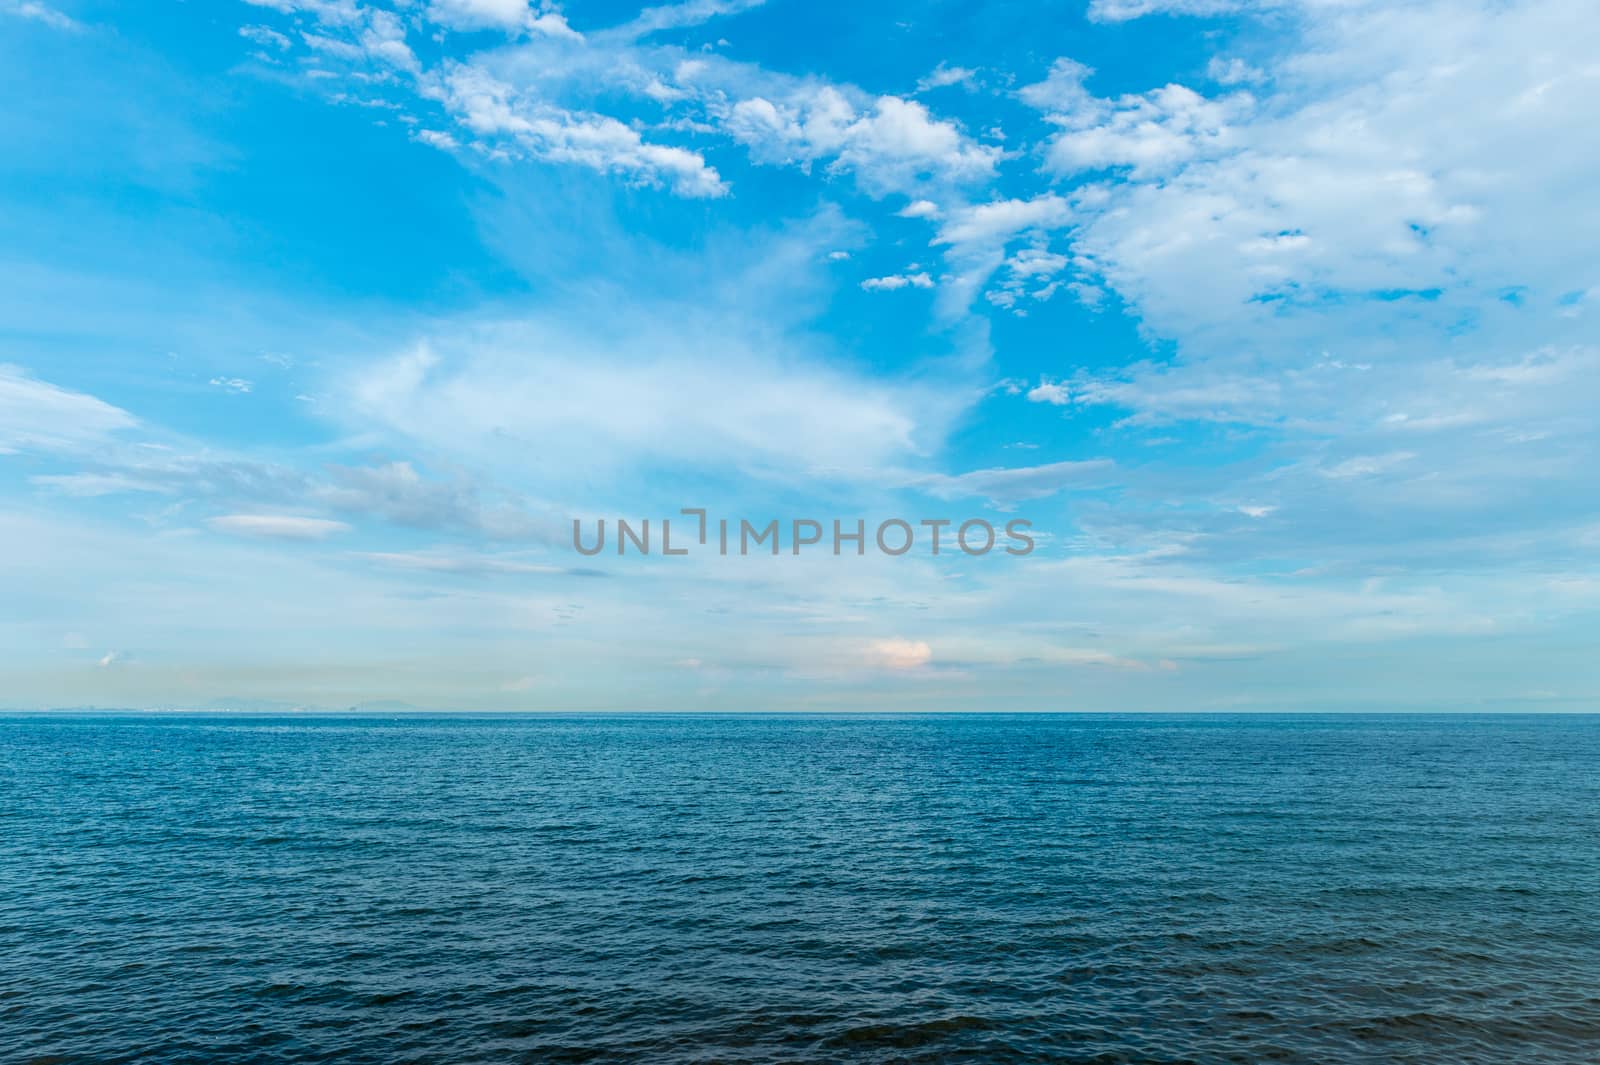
43,13
265,36
519,102
637,391
891,282
1368,282
397,493
943,76
236,385
1029,273
1367,465
690,13
1125,10
1006,486
976,236
93,485
989,224
38,416
508,16
899,654
1233,71
892,145
1162,395
1049,392
1150,133
528,125
471,564
1421,466
436,139
335,12
1338,192
381,37
277,526
1368,415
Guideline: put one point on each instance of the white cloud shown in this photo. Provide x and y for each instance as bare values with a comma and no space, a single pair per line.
891,282
384,38
892,145
688,13
1124,10
265,36
491,108
1029,273
277,526
44,13
506,101
1012,485
397,493
991,224
976,236
1049,392
436,139
1160,395
1371,283
919,209
456,563
1404,148
1233,71
640,388
93,485
1036,262
362,33
509,16
236,385
332,12
943,76
1150,133
1062,92
38,416
899,654
1368,465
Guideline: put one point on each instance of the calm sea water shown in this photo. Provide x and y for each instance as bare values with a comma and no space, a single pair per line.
982,888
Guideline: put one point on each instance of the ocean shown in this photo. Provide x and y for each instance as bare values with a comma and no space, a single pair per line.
974,888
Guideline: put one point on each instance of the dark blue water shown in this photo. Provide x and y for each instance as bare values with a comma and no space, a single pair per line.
1190,889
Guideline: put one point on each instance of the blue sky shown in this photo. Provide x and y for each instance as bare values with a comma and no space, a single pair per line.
322,319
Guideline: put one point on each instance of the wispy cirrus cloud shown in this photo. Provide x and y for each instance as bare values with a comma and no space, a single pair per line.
542,386
42,13
277,526
457,563
38,416
1006,486
678,16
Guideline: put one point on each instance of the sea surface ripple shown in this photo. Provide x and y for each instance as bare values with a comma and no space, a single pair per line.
988,888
